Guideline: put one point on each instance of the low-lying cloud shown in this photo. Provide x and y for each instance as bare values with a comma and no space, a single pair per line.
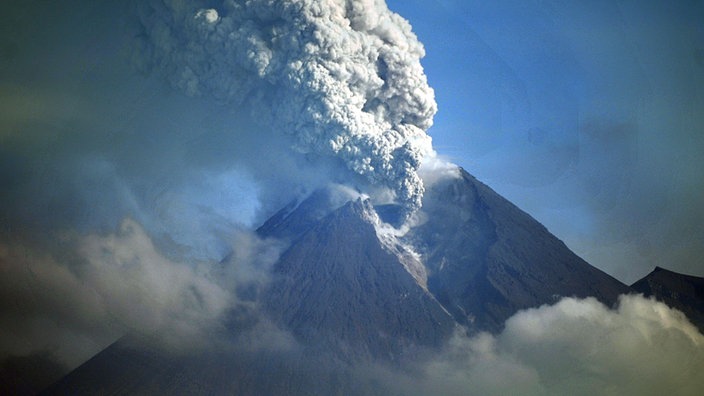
105,286
577,347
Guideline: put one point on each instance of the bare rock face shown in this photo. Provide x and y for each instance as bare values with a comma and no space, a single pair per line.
683,292
487,259
339,288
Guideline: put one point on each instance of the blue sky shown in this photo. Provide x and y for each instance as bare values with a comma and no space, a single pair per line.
588,115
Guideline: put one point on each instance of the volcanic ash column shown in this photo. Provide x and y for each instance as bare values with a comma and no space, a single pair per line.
343,78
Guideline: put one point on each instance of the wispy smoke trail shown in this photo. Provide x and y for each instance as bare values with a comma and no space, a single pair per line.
342,78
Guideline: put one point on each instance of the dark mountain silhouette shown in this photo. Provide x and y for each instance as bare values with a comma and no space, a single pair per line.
683,292
352,293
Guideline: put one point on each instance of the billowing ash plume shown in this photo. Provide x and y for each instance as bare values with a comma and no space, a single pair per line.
342,78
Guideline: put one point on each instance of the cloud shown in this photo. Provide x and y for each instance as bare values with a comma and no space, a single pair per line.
342,79
140,287
47,308
119,283
436,169
577,347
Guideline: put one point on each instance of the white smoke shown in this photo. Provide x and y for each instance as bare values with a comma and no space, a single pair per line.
342,78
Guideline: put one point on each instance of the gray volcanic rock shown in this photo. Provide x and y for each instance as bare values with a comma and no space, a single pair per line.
339,288
487,259
683,292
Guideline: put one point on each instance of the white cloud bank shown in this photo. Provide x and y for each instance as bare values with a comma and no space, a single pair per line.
577,347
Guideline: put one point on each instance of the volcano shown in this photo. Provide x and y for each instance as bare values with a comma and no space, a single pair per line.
351,289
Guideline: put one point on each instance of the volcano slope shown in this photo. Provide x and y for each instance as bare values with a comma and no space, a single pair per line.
353,291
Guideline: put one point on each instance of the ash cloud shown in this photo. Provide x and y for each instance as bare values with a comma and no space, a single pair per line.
342,79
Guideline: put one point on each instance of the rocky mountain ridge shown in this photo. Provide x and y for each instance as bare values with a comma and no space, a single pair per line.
679,291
